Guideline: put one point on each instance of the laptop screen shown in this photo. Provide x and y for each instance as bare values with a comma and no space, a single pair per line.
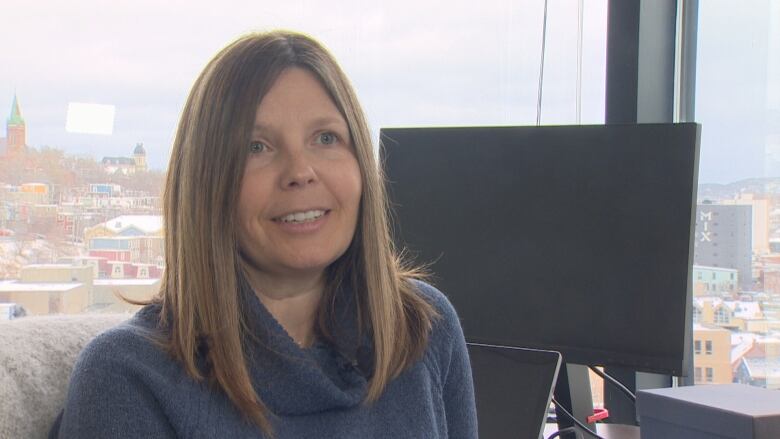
513,388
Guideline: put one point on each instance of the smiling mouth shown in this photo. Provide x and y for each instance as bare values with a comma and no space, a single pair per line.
302,217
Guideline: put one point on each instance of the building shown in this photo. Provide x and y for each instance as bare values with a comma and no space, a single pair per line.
724,239
50,289
712,355
760,365
118,165
107,293
34,193
730,314
15,141
127,239
105,189
139,156
126,165
72,288
760,206
711,281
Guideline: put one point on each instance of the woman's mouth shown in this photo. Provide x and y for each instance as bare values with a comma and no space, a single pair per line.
301,217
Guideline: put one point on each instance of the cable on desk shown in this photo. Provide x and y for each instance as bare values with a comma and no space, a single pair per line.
614,382
573,419
576,432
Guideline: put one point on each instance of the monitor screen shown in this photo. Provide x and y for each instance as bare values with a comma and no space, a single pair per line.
570,238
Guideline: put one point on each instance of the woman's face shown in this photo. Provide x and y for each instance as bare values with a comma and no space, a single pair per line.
301,189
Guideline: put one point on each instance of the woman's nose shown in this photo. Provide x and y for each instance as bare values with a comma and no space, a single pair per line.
299,170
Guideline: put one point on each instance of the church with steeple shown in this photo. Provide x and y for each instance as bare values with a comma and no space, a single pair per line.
126,165
15,141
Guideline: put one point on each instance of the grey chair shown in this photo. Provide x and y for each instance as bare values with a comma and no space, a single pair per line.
36,359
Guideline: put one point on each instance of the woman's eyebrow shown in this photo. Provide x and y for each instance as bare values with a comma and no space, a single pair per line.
327,121
260,128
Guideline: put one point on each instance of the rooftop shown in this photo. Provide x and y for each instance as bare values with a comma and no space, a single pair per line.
118,161
38,287
707,267
52,266
16,114
125,282
741,343
762,367
145,223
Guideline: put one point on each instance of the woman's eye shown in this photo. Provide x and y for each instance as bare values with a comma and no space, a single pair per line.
327,138
256,147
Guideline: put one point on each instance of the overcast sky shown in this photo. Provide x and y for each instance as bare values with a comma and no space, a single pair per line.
415,63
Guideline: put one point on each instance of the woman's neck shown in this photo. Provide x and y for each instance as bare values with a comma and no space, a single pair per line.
293,302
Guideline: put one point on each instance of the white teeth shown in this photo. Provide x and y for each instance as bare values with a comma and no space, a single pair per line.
300,217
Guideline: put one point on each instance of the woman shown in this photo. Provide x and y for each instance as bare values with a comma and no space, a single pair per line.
284,311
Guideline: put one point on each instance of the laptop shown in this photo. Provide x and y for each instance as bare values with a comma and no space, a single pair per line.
513,388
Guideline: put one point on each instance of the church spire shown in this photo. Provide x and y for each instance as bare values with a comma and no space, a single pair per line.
16,130
16,114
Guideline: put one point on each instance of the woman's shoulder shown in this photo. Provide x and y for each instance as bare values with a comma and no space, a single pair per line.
436,298
125,345
446,326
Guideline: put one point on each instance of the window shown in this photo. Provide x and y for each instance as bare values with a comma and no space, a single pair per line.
708,347
738,61
697,374
722,315
697,347
147,79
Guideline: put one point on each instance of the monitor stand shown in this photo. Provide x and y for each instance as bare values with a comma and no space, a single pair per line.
573,391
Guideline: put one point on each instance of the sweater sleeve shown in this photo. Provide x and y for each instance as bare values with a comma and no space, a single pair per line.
107,396
454,368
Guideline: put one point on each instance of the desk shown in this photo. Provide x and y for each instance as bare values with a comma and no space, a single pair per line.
607,431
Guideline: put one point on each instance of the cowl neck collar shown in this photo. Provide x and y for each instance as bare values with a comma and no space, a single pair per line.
291,380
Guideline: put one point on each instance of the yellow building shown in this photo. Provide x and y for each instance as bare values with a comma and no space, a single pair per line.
41,298
760,205
730,314
50,289
106,293
33,193
712,355
72,289
61,273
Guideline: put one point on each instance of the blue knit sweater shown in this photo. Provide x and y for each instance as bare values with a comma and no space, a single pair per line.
123,386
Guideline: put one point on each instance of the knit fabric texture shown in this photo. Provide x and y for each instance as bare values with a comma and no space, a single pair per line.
123,386
37,354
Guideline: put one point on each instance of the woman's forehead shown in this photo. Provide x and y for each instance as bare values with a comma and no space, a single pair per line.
297,96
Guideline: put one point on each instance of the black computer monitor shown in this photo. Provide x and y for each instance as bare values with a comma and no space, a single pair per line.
570,238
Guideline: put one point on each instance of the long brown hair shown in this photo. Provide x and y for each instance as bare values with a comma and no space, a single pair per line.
198,293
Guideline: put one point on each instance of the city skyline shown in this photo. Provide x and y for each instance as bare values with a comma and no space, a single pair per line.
461,65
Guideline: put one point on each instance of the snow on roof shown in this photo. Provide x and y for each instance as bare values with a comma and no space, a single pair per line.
741,309
58,266
125,282
145,223
762,367
33,287
745,310
700,327
741,343
707,267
